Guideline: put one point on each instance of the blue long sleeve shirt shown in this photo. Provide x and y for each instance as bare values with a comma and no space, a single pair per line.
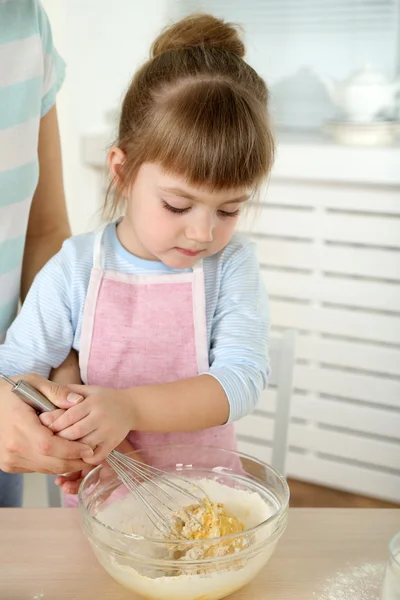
50,322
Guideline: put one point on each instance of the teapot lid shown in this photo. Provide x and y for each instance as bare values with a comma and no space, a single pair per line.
367,76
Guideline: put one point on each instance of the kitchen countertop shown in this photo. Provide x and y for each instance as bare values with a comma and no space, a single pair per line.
44,555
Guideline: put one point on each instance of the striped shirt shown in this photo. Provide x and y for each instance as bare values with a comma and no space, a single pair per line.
50,322
31,73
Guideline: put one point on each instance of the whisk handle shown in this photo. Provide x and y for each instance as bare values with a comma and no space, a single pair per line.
30,395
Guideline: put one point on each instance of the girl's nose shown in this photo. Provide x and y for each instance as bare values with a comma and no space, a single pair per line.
201,230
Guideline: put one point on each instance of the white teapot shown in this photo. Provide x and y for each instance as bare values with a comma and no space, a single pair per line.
363,95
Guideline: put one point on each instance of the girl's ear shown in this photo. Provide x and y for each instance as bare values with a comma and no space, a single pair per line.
115,160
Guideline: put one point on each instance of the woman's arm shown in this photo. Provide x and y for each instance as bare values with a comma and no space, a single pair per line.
48,223
68,372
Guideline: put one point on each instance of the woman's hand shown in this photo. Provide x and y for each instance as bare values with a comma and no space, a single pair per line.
70,483
102,420
25,445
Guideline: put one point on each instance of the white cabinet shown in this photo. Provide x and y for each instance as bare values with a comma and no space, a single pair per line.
328,238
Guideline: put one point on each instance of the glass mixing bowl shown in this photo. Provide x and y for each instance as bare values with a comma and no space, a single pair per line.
156,568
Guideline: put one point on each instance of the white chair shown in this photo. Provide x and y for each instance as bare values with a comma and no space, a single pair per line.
282,357
265,432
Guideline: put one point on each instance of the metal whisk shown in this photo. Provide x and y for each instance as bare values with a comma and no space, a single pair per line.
149,484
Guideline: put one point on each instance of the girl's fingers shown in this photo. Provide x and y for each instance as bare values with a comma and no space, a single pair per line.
93,439
78,431
47,418
70,417
101,451
85,390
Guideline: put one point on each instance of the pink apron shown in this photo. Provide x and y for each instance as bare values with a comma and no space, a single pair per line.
145,330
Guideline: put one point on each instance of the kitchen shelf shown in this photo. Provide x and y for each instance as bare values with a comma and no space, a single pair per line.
301,156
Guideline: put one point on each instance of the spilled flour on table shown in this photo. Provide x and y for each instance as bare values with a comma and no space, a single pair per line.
362,582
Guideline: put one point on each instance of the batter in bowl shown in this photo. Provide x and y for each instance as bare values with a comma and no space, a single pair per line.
231,510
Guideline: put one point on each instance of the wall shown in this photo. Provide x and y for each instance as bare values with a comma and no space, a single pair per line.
103,43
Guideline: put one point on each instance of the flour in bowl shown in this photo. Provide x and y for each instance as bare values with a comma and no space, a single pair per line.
158,577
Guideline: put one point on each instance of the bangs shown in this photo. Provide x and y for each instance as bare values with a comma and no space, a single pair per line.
211,133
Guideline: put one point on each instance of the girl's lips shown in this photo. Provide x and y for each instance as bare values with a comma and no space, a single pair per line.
189,252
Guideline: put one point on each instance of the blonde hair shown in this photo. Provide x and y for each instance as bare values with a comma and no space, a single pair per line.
197,109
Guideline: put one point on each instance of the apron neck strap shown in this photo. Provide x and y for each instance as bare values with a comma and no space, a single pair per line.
197,267
97,254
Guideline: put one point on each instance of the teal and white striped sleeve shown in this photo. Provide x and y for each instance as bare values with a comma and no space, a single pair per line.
41,336
54,66
239,335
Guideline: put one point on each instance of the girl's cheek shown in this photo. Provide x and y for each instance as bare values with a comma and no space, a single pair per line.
225,231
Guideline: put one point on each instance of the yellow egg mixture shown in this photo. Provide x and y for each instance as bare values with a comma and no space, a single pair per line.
207,521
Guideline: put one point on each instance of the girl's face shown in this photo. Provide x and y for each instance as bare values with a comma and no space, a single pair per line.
171,221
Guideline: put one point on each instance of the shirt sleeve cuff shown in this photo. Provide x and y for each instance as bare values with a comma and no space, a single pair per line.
241,392
49,99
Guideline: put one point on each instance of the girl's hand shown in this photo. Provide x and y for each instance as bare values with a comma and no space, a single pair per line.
103,420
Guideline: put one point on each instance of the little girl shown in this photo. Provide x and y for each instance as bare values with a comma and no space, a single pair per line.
165,305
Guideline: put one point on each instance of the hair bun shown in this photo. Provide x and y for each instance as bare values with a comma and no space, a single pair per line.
199,30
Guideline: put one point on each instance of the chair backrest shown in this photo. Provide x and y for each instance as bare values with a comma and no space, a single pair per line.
264,433
282,357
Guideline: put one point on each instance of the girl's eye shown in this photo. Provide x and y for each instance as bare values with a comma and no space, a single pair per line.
173,209
182,211
224,213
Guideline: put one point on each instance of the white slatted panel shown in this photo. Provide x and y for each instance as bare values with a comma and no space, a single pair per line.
330,257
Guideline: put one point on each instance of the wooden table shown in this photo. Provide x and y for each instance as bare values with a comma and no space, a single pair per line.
44,555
